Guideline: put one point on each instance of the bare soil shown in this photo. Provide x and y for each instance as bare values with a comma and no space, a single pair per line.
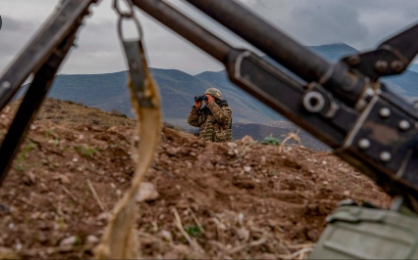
235,200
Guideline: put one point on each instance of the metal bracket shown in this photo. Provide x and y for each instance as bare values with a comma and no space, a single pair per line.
390,58
30,105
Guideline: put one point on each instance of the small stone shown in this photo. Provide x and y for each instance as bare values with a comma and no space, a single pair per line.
325,183
62,179
147,192
92,241
18,247
324,162
247,168
231,145
172,151
346,193
75,159
29,178
243,234
247,139
67,244
104,216
166,235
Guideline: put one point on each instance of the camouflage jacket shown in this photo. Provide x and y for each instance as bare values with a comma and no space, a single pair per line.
214,120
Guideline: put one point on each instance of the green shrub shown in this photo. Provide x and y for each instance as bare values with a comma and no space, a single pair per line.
270,140
193,231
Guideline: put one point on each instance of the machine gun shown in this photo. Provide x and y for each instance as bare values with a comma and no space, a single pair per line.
343,104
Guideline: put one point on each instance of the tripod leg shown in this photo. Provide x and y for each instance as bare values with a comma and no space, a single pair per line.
30,105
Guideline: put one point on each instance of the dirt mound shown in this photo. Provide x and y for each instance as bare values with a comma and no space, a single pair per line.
234,200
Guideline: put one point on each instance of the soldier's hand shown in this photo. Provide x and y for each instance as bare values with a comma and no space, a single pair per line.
210,99
198,104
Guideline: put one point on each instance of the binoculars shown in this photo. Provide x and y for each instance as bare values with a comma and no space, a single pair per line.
200,98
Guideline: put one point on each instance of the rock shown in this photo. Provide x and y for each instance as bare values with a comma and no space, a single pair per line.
247,139
67,244
231,145
29,178
247,168
147,192
104,216
243,234
92,241
62,179
172,151
166,235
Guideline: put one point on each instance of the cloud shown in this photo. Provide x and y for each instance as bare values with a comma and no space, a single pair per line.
359,23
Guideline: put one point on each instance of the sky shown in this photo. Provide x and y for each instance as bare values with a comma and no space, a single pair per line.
362,24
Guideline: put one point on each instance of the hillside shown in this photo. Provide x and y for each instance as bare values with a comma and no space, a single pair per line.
236,200
109,92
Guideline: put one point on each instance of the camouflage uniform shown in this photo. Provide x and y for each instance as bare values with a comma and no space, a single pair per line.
214,120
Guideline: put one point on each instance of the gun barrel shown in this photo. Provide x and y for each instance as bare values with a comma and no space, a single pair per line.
295,57
265,37
186,27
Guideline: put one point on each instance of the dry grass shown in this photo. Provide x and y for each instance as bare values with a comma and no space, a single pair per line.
237,237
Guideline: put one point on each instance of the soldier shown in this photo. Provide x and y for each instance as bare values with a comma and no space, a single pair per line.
215,119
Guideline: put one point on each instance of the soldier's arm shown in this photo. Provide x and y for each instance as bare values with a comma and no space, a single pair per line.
195,119
223,116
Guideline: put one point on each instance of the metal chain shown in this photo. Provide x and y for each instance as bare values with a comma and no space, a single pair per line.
127,15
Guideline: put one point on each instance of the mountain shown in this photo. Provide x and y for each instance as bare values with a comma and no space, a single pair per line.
109,92
413,67
333,52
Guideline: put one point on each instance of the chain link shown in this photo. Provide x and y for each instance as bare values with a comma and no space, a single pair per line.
126,14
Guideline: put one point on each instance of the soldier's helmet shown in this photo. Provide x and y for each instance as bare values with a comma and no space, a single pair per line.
214,92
